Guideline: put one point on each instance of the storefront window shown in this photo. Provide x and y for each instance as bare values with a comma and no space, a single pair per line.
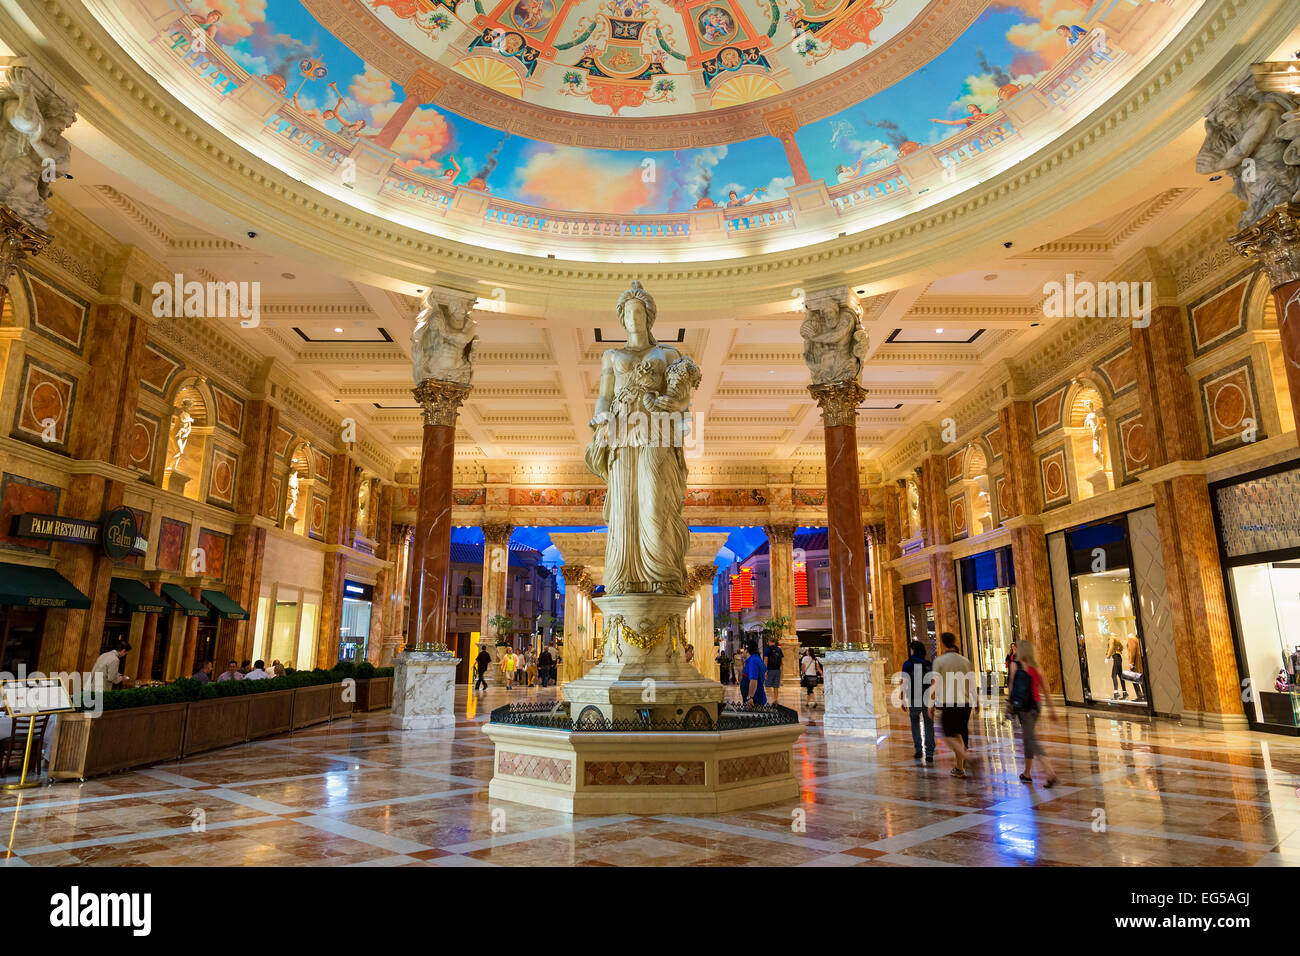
284,632
918,599
306,658
1111,654
354,630
1267,598
989,613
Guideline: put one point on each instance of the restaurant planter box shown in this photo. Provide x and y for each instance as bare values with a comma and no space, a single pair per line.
343,699
117,740
311,705
374,694
215,723
270,713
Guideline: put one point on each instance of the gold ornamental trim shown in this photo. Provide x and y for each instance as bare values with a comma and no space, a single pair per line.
440,401
672,629
18,240
1274,242
839,402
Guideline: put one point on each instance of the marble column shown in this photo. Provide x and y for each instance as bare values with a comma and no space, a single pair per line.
839,403
1274,242
1021,505
496,568
190,647
149,640
893,615
440,402
708,657
1198,604
573,642
780,568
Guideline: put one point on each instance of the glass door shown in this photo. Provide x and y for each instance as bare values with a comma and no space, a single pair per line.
1267,601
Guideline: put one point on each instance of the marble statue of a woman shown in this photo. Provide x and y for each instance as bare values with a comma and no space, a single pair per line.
637,448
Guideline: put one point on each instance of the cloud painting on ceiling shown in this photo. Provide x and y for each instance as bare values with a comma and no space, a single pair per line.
1009,45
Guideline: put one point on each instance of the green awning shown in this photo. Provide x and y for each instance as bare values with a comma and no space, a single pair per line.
227,608
181,598
137,597
38,587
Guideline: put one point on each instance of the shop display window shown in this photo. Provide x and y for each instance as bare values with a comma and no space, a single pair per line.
1267,599
1111,652
990,618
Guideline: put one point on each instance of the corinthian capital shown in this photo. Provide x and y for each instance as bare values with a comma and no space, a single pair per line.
839,402
497,533
440,401
573,573
1274,241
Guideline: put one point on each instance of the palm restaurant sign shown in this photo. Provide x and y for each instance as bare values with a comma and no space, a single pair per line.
117,532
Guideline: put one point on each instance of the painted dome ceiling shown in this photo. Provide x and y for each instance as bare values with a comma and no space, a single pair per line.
641,107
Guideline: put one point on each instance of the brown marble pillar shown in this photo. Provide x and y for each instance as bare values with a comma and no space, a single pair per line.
839,403
440,401
1021,506
1274,241
1207,662
387,580
891,614
339,519
148,640
191,643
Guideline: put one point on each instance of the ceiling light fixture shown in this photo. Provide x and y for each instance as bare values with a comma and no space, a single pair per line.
338,330
938,331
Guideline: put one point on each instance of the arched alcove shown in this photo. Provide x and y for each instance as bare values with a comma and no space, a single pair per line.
188,433
300,476
1088,429
975,479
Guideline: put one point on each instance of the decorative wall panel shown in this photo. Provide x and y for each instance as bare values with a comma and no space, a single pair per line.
18,496
1054,472
1220,315
142,442
57,314
45,405
1157,624
1048,412
214,545
221,486
1231,407
171,544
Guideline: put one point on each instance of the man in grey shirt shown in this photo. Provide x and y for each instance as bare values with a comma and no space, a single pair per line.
956,688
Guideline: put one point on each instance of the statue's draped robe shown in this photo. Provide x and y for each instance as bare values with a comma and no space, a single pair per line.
646,484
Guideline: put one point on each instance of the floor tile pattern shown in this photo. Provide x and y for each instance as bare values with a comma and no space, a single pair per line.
354,792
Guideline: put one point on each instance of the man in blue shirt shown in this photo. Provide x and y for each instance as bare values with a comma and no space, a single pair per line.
754,672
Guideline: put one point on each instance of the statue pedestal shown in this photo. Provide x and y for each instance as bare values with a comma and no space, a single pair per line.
644,666
580,763
857,701
424,691
176,482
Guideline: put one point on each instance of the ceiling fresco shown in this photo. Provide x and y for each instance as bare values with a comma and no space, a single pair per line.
680,55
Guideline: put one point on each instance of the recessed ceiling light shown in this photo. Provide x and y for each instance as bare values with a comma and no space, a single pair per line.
338,330
287,275
938,331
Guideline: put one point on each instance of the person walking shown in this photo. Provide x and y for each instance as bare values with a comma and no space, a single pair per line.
916,682
810,672
482,663
724,666
773,658
508,664
956,688
751,685
544,664
1026,698
530,667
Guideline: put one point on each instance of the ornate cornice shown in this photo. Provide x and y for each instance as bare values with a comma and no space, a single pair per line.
440,401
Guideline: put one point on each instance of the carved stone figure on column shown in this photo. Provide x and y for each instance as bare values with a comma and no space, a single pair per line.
443,343
834,341
33,152
1253,135
637,448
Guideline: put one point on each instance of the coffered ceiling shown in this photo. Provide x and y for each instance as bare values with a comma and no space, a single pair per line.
347,343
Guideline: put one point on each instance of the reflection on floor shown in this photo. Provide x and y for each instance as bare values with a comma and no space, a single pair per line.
352,792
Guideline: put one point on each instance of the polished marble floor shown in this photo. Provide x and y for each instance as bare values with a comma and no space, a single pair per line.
354,793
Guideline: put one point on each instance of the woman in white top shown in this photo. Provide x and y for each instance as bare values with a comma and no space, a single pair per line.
810,670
